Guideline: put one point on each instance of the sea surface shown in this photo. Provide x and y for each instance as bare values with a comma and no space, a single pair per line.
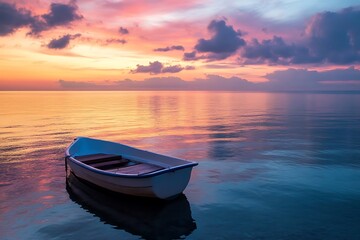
271,165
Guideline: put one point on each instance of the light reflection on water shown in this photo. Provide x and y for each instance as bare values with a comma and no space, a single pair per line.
272,166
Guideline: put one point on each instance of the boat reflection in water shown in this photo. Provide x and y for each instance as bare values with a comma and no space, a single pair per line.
145,217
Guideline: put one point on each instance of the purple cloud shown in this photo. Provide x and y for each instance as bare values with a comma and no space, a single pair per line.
72,85
11,18
62,42
115,40
224,42
160,83
273,51
166,49
177,47
172,69
189,68
123,31
190,56
61,14
157,68
218,83
211,82
331,37
310,80
335,36
301,75
152,68
276,51
284,80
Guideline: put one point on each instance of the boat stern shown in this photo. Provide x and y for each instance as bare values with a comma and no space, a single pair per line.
172,183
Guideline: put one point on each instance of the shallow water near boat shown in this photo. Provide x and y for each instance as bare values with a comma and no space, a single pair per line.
271,165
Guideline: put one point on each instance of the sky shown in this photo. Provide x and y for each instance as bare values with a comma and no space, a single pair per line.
257,45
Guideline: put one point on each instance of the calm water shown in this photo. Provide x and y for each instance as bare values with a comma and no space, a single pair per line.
271,165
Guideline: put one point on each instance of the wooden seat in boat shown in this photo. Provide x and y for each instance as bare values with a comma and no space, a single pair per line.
138,169
116,163
97,158
103,161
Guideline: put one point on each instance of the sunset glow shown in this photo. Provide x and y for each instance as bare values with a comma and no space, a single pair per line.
141,45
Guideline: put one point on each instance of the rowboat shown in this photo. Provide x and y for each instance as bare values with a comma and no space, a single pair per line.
124,169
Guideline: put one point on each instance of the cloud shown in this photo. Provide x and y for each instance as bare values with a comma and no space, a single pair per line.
190,56
61,14
172,69
348,74
224,42
189,68
37,26
310,80
330,37
335,36
211,82
218,83
272,51
11,18
152,68
115,40
301,75
123,31
156,83
219,66
292,80
215,56
72,85
62,42
166,49
285,80
157,68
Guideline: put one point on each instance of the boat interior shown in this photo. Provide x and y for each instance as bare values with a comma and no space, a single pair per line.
117,164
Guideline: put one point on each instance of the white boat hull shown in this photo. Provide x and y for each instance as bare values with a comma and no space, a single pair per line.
163,184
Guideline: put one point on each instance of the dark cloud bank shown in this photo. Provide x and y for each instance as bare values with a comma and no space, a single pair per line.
286,80
330,37
12,18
